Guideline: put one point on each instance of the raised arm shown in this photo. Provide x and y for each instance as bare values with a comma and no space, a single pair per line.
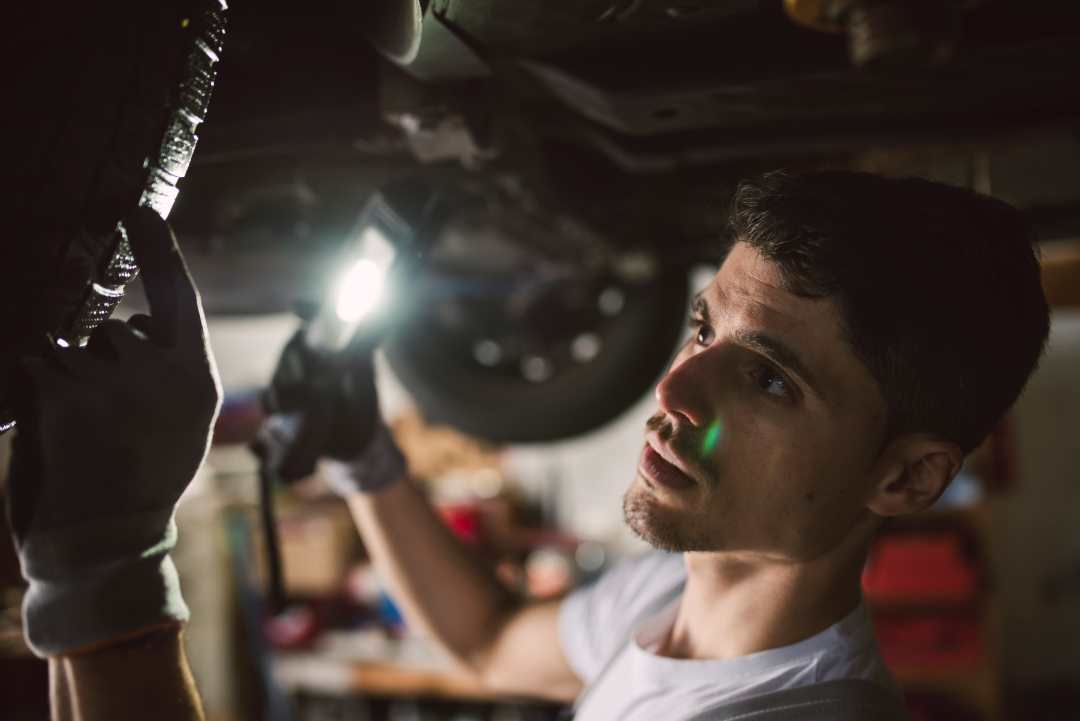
509,645
108,438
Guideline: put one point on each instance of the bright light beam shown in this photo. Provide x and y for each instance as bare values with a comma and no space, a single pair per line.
360,291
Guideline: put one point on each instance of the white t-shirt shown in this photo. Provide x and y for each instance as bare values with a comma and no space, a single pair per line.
630,610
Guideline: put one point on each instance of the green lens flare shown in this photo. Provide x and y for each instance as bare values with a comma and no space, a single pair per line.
712,437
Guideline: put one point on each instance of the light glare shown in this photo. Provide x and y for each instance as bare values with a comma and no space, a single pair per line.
712,437
360,291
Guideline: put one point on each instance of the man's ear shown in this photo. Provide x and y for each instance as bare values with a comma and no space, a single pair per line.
911,473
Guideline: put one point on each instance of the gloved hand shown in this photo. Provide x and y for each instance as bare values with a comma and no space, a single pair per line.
107,439
324,406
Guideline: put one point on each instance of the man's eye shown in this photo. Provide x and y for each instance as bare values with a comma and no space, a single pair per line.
705,334
771,382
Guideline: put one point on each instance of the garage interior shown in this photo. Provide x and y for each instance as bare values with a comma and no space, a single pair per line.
579,159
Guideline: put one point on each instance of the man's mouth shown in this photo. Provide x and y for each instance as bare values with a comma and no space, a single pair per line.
653,467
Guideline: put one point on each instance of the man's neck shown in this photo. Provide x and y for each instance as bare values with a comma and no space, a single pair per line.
738,604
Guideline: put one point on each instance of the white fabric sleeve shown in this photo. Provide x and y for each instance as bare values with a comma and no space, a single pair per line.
596,620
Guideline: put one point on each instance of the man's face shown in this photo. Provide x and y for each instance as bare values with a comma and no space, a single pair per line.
767,425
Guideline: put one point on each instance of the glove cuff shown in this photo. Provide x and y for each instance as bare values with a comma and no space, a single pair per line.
70,608
379,467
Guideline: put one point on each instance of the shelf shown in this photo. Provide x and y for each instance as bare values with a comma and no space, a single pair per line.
1061,274
317,673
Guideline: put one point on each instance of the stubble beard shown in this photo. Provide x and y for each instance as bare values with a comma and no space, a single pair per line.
663,528
641,516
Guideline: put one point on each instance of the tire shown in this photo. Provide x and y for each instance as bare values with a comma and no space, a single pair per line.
636,347
108,119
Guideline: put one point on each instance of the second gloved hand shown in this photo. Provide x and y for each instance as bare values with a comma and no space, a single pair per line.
325,411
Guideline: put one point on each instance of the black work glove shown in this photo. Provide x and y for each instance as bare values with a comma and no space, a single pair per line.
325,411
108,438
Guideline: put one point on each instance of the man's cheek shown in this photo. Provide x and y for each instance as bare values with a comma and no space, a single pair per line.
748,437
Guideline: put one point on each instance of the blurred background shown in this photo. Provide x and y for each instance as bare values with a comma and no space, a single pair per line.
581,156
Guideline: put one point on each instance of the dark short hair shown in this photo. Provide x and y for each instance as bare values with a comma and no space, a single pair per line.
939,287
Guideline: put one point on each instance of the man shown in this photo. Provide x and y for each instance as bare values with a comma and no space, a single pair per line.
860,338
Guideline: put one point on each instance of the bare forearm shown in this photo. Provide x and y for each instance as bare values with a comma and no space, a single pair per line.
441,586
145,676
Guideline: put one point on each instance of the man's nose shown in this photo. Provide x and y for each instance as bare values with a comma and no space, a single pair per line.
683,391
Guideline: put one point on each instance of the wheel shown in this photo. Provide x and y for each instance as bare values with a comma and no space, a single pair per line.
106,120
590,352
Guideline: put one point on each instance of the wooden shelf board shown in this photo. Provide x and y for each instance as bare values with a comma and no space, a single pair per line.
316,673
